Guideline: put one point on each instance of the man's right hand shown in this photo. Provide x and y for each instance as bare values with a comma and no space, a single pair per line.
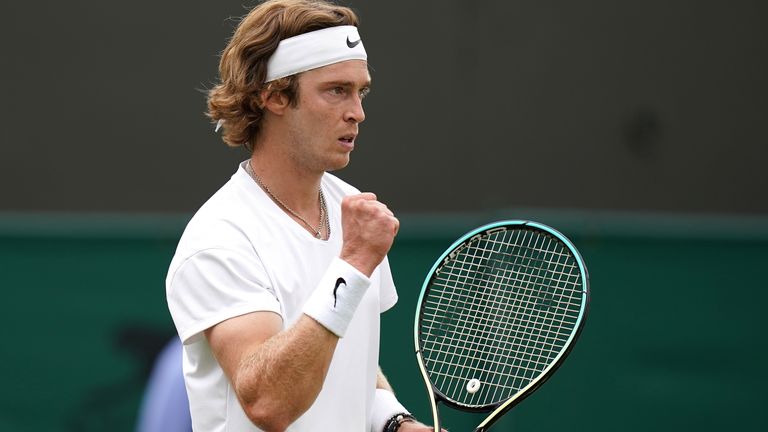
369,230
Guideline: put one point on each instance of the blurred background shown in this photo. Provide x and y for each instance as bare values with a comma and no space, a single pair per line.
638,129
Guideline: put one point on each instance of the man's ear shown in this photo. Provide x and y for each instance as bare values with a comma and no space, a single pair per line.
275,102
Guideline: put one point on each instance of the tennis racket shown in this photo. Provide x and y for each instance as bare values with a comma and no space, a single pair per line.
498,313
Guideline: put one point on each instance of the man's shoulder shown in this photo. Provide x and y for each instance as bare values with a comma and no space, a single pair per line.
219,221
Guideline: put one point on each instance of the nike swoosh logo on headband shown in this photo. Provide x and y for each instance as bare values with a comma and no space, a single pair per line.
352,44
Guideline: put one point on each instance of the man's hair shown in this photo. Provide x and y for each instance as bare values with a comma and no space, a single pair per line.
243,68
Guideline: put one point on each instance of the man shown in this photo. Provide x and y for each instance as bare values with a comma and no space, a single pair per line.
279,279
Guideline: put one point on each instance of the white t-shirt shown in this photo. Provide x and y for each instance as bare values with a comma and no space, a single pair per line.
241,253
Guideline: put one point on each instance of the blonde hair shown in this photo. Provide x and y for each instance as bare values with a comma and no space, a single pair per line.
236,100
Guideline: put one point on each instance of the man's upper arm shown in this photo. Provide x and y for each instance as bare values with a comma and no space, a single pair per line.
215,285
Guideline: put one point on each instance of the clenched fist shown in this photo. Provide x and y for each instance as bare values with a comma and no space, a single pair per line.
369,230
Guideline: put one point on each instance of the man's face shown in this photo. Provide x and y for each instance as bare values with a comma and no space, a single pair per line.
323,125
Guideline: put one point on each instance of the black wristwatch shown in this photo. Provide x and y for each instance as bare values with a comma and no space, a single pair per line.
394,423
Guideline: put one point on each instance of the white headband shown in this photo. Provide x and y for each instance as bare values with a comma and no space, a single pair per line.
315,49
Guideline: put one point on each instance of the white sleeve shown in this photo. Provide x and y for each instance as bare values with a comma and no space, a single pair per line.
214,285
387,290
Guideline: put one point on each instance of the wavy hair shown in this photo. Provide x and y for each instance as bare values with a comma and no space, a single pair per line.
236,100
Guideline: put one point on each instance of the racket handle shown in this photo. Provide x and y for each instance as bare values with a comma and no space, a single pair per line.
435,418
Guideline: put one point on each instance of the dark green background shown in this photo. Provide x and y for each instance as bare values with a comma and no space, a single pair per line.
674,339
639,125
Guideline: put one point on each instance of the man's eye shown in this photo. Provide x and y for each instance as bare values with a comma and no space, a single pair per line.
338,90
364,92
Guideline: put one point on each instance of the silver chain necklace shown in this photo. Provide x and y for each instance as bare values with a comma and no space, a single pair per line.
323,223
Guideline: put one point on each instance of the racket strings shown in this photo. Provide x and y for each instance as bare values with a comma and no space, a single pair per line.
546,322
468,356
501,299
507,346
467,352
519,260
499,311
488,327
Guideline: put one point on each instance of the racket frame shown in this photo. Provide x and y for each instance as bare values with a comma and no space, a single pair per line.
498,409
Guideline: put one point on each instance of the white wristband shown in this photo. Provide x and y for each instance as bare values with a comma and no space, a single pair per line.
385,406
334,301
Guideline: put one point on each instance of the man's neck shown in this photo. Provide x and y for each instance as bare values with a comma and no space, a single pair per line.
294,185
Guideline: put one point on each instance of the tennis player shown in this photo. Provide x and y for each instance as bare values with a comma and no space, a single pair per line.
279,279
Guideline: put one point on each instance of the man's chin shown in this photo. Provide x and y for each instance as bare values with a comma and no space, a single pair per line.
338,164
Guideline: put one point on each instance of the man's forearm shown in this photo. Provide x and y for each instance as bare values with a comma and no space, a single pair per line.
282,377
